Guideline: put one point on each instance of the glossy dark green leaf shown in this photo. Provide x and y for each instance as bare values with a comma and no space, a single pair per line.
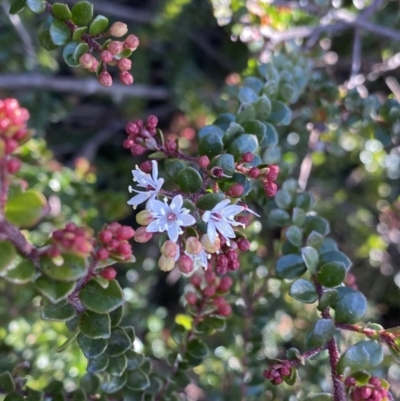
59,33
226,161
119,342
54,291
95,325
17,6
315,240
271,136
208,201
335,257
82,13
290,266
98,25
304,201
197,348
61,11
331,274
90,383
316,223
101,300
321,333
303,291
59,312
280,113
263,108
91,348
70,268
328,299
362,355
134,359
320,397
117,365
69,54
98,364
25,209
22,273
37,6
116,315
14,397
310,257
256,128
77,34
112,384
137,380
242,144
350,306
7,255
247,95
189,180
279,217
298,217
7,384
210,129
173,167
130,331
294,235
211,145
283,199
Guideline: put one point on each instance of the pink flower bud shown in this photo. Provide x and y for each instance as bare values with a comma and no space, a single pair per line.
225,284
185,264
138,150
209,291
21,134
105,79
210,276
243,244
204,161
254,172
152,121
124,64
128,143
165,263
132,128
125,233
171,146
106,56
125,249
193,246
144,218
142,236
208,246
102,254
105,236
273,173
86,60
11,145
195,280
248,157
169,249
146,166
236,190
131,42
109,273
126,78
115,47
225,310
13,165
270,188
191,298
94,66
118,29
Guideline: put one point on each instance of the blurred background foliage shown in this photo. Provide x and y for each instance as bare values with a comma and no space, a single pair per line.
343,144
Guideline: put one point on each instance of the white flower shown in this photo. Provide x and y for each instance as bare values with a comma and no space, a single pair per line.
169,218
151,183
200,260
221,219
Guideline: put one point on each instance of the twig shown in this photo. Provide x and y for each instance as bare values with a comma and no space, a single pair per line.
306,164
394,86
356,59
83,86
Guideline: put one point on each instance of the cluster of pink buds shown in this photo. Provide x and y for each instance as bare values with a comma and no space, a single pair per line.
141,136
113,241
210,294
13,131
113,55
278,372
373,391
72,239
228,258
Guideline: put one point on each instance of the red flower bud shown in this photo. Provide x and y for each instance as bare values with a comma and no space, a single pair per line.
236,190
170,146
109,273
191,298
254,172
195,280
152,121
270,188
209,291
225,310
126,78
13,165
146,166
243,244
225,284
132,128
185,264
105,79
248,157
204,161
273,173
102,254
105,236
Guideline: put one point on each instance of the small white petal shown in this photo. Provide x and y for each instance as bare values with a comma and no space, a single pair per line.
173,232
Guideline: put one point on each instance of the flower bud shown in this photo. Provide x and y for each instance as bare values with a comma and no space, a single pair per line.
11,145
151,144
217,172
270,188
273,173
86,60
126,78
131,42
193,246
106,56
225,284
138,150
109,273
118,29
128,143
170,146
169,249
115,47
254,172
125,233
132,128
204,161
105,79
13,165
144,218
208,246
94,66
243,244
142,236
195,280
225,310
185,264
152,121
165,263
146,166
236,190
102,254
191,297
209,291
248,157
124,64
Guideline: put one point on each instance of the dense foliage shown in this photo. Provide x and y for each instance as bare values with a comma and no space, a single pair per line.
257,255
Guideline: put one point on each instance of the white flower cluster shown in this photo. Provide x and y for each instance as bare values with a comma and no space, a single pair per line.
171,217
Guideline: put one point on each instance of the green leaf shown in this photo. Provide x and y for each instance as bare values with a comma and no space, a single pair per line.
271,136
242,144
315,240
283,199
69,54
37,6
90,383
101,300
246,113
321,333
59,312
363,355
82,13
336,257
320,397
211,145
130,331
208,201
263,108
112,384
189,180
156,384
25,209
290,266
303,291
134,359
362,377
256,128
95,325
226,161
280,113
44,35
117,365
310,257
298,217
328,299
7,255
78,395
14,397
316,223
223,120
61,11
22,273
208,129
33,395
173,167
304,201
197,348
331,274
116,315
98,25
7,384
247,95
98,364
17,6
68,342
215,323
137,380
350,306
292,378
253,83
294,235
90,347
119,342
279,217
77,35
71,267
59,33
54,291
